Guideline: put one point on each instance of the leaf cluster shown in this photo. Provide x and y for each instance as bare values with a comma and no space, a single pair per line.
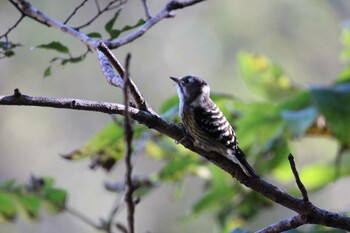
26,200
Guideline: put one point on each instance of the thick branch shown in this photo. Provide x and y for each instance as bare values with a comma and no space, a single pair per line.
313,214
134,91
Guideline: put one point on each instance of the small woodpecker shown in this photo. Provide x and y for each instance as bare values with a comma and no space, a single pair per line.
206,124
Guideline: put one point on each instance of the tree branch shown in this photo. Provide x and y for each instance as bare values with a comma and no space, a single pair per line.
284,225
136,94
110,6
29,10
130,188
145,8
313,214
297,178
164,13
75,11
116,80
12,27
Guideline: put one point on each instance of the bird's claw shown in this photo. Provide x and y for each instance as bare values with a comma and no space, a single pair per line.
186,135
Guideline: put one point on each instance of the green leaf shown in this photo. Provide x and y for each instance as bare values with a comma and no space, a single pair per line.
28,206
318,175
26,200
94,35
264,77
313,176
130,27
170,104
344,76
219,193
279,149
302,99
266,121
106,147
170,108
55,45
109,25
345,39
215,197
114,33
108,141
73,60
7,185
177,168
55,200
7,207
47,72
334,104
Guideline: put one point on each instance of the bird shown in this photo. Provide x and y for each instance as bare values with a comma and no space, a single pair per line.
204,122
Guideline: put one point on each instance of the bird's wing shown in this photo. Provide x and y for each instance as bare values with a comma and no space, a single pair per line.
215,125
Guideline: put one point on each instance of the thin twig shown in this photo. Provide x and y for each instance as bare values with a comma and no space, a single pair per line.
297,178
97,6
128,139
116,207
171,6
12,27
284,225
84,218
146,9
108,7
75,11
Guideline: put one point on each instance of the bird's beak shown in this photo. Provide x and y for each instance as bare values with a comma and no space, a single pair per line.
175,79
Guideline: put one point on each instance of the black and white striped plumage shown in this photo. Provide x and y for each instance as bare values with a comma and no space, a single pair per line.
205,123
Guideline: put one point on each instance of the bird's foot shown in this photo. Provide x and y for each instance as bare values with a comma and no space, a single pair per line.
186,135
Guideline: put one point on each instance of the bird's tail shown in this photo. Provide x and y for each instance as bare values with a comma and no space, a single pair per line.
238,157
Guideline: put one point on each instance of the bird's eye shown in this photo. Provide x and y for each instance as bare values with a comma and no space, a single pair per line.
186,81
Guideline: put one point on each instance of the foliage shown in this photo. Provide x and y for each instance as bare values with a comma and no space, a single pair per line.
25,200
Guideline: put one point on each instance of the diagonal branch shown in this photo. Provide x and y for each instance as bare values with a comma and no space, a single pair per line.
313,214
29,10
285,225
75,11
172,5
135,93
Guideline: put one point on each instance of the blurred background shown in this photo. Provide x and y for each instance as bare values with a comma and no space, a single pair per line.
301,36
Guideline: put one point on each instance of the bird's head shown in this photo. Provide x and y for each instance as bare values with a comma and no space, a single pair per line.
191,88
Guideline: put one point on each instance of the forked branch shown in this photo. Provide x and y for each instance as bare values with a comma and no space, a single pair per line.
27,9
